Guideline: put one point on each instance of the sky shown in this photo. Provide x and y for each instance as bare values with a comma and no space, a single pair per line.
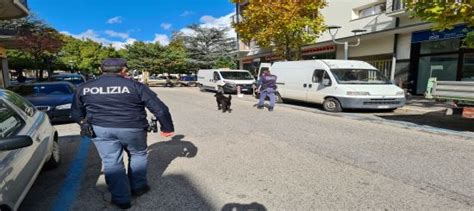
120,22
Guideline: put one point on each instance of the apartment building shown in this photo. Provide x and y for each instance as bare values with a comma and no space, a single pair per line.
404,49
9,9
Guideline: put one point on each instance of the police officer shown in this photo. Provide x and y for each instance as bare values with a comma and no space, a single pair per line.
111,109
267,87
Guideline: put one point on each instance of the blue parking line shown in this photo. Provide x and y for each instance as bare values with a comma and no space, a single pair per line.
71,185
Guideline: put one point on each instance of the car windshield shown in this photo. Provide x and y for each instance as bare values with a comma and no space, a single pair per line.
72,79
236,75
359,76
45,89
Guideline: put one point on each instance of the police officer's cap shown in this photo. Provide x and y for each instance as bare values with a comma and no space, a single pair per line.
114,63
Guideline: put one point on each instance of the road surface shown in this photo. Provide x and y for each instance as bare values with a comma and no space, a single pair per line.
289,159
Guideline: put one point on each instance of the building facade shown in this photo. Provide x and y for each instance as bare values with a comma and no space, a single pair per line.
404,49
9,9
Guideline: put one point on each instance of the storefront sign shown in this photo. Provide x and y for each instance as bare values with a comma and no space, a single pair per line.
457,32
317,50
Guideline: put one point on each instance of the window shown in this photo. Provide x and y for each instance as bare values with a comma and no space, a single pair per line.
318,76
372,10
46,89
231,75
10,121
21,103
359,76
216,76
468,67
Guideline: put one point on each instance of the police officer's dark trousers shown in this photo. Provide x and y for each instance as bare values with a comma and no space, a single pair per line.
111,143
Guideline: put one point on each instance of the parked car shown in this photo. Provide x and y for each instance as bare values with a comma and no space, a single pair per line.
54,98
188,80
163,81
227,81
28,142
74,78
336,84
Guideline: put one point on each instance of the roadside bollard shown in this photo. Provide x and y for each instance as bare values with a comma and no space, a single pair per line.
239,92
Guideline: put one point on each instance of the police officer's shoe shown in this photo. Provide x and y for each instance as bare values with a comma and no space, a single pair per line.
270,109
140,191
259,107
123,206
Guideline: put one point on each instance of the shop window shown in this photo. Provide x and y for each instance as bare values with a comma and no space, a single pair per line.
443,67
372,10
468,67
402,70
442,46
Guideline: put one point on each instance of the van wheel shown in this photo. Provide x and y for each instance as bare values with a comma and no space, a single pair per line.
55,159
278,98
201,87
332,105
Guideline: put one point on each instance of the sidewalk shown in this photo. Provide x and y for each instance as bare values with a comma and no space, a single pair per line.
419,104
427,112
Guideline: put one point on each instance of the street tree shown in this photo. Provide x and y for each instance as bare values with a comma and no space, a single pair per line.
284,25
445,14
145,56
84,55
39,40
174,57
205,46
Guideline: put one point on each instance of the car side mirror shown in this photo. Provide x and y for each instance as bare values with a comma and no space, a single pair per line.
327,82
16,142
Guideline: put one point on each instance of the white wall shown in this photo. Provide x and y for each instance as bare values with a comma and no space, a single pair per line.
374,46
404,46
341,13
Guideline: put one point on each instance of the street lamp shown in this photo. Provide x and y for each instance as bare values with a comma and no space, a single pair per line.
333,32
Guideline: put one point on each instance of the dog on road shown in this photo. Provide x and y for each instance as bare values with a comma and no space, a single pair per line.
223,102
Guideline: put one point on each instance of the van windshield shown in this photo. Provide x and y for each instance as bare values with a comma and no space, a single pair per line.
236,75
359,76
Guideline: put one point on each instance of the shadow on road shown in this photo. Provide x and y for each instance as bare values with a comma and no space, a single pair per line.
436,119
162,154
244,207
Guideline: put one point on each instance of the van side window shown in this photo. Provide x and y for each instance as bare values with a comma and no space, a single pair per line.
216,76
318,76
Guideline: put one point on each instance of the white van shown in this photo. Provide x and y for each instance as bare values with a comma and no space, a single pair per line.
225,80
336,84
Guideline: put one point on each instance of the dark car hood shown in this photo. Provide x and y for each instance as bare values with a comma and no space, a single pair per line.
50,100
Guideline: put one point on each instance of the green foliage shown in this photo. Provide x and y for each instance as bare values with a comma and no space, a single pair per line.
206,45
284,25
225,62
145,56
445,14
19,60
84,55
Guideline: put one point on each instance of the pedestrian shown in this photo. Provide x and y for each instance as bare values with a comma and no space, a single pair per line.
267,87
20,77
111,110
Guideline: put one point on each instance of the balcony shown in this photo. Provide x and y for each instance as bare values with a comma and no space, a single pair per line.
397,8
10,9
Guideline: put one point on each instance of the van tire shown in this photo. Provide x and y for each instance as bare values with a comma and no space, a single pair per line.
332,105
201,88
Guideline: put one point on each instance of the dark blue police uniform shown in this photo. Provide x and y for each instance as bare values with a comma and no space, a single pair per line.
115,107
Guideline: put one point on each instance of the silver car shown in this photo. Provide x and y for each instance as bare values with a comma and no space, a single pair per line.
28,142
